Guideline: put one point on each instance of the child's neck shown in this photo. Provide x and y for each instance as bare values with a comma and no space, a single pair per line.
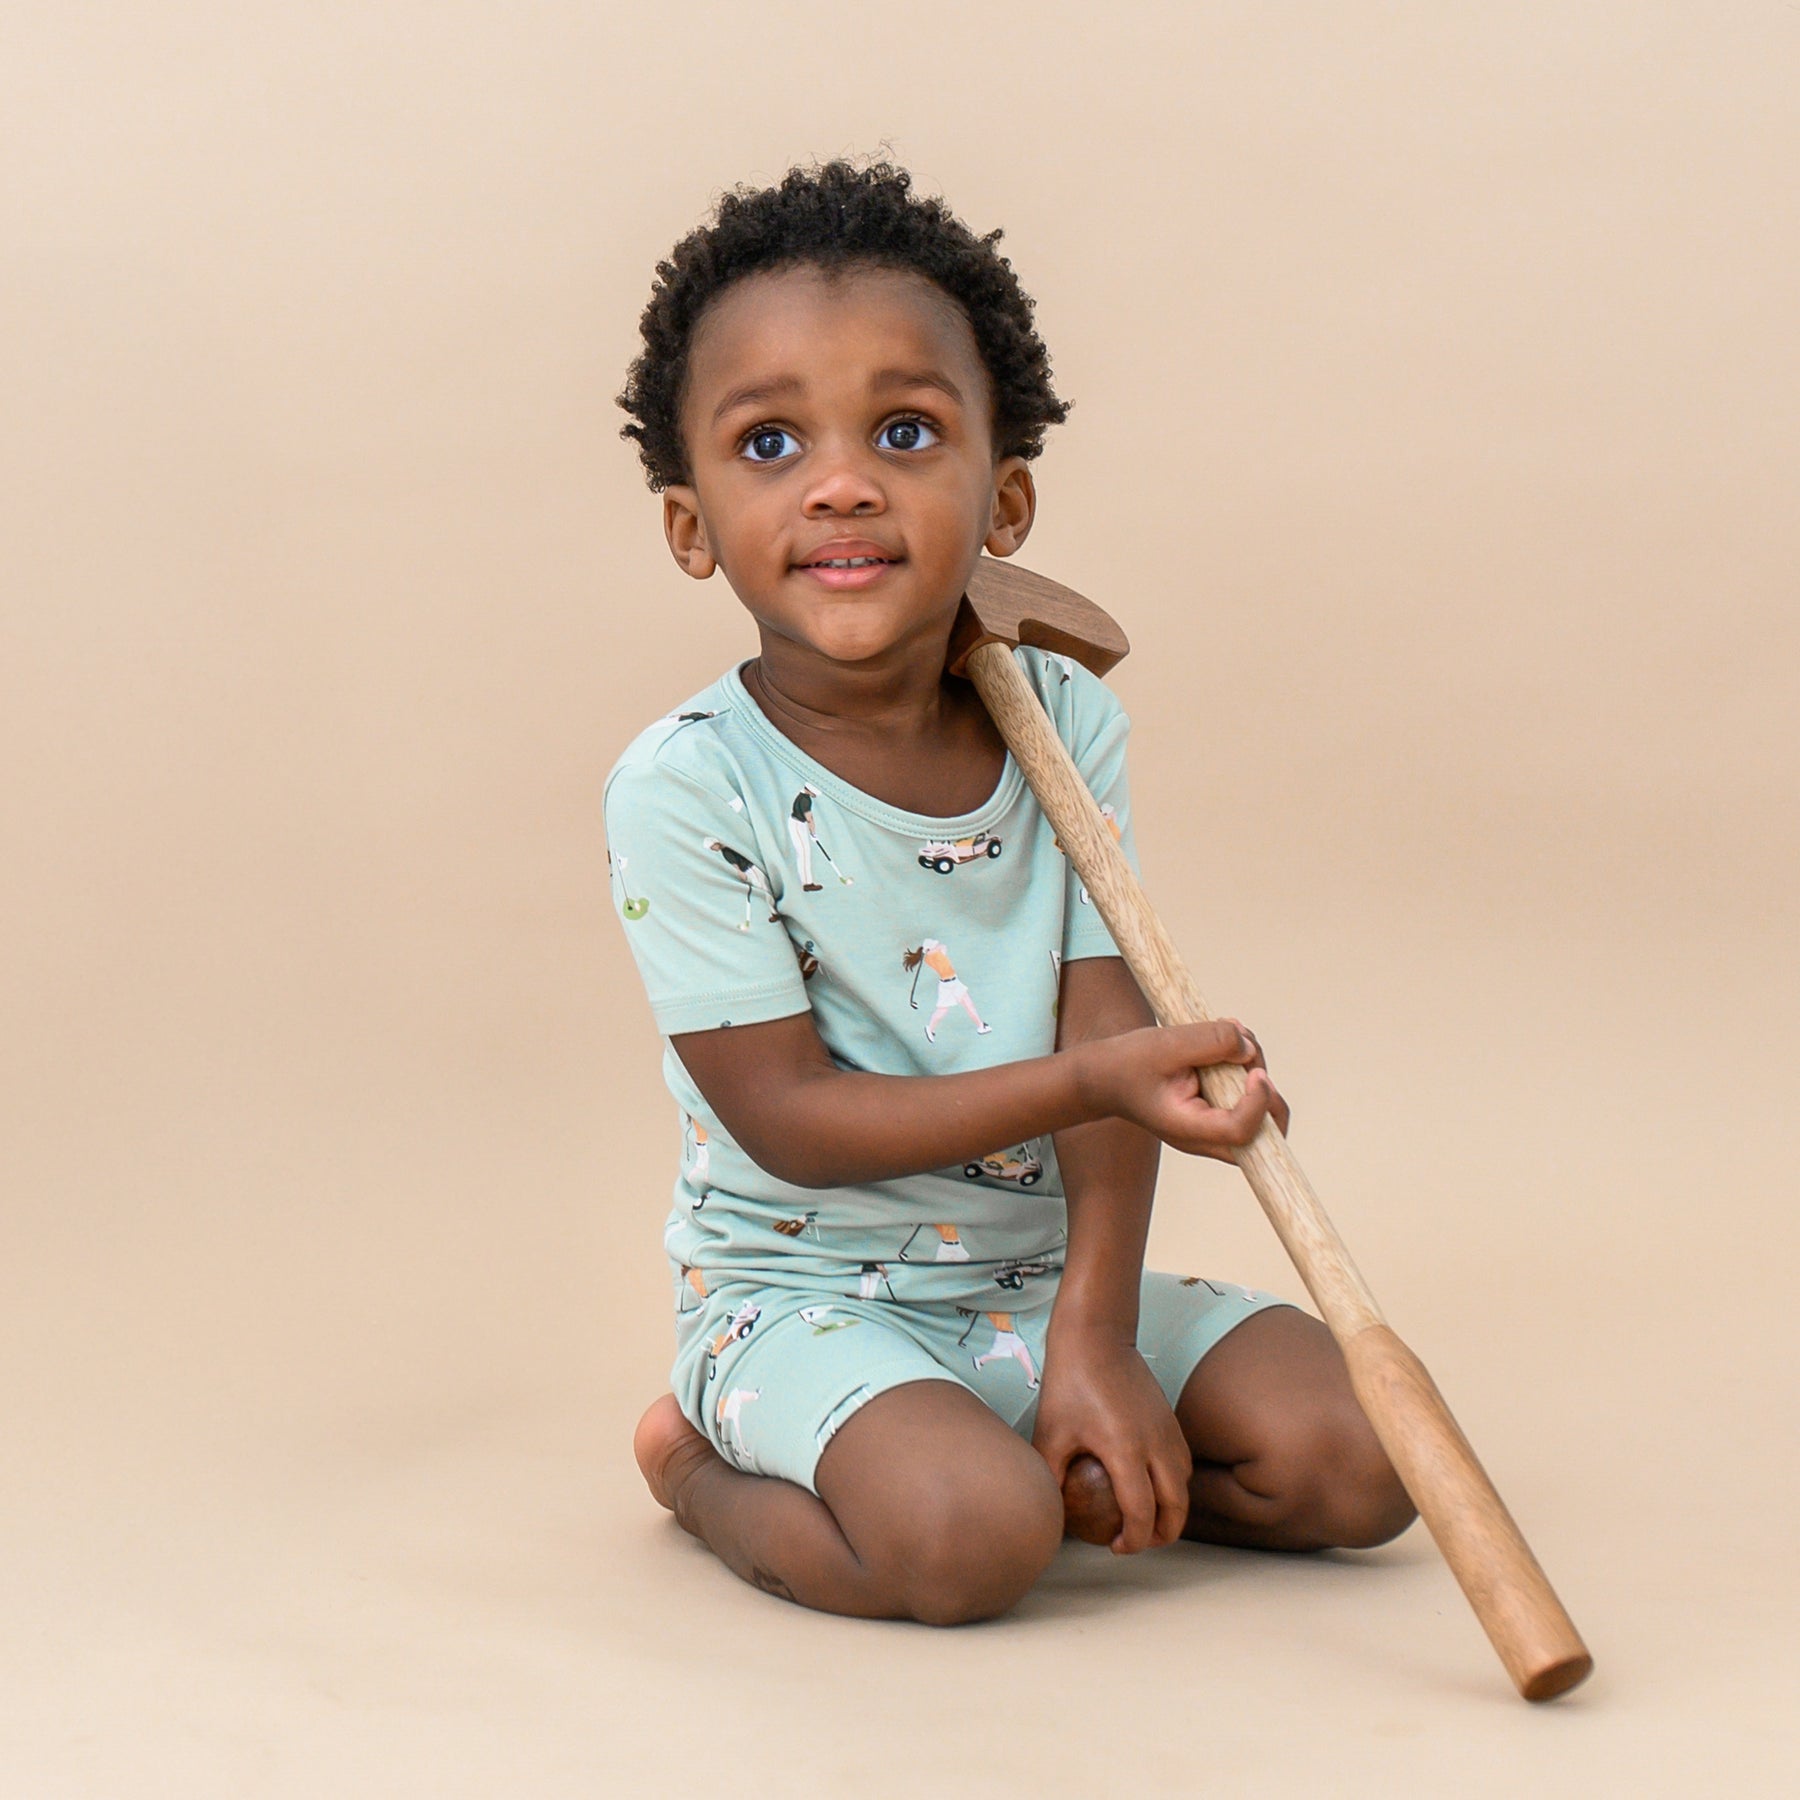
926,748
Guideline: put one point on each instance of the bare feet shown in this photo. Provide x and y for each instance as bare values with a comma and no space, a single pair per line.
668,1451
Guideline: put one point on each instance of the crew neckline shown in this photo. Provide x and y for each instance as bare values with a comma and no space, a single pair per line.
760,727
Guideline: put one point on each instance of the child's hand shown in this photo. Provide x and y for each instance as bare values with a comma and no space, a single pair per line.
1099,1398
1151,1078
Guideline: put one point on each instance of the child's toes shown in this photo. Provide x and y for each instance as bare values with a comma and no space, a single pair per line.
663,1436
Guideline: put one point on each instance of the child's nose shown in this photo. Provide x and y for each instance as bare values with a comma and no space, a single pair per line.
845,482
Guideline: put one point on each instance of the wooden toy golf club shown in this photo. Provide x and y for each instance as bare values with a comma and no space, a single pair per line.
1521,1614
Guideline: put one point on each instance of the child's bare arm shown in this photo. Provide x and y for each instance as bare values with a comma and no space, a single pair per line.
1099,1397
798,1115
1108,1165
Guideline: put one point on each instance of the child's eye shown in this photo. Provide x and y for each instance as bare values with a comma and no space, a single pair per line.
769,443
907,434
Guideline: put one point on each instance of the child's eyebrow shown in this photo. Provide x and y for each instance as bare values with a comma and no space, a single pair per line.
755,393
926,378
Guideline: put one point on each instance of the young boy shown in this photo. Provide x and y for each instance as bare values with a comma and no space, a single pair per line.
909,1279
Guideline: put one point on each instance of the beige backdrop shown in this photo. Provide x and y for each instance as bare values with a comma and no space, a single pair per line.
1435,438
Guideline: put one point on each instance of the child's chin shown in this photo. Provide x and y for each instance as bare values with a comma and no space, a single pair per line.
854,646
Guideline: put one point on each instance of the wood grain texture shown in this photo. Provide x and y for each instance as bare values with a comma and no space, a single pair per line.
1486,1551
1521,1614
1005,604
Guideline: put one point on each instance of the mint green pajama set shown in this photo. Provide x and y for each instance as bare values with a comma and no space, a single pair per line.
752,883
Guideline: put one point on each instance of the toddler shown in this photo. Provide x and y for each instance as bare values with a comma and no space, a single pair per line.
922,1097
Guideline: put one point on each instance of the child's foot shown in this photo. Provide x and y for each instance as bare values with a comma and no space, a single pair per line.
930,1035
983,1030
668,1451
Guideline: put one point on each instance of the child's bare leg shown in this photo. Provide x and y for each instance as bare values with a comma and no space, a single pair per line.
929,1508
1283,1457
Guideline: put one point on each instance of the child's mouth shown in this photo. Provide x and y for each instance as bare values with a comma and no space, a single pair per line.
848,571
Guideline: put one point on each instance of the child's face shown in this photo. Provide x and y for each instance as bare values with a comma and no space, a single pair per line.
831,418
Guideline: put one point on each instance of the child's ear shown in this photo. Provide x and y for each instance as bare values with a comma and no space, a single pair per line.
1015,506
686,532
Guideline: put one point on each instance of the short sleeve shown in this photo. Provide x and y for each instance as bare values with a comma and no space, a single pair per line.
1099,753
695,903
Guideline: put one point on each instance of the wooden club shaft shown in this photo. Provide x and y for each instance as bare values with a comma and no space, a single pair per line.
1515,1603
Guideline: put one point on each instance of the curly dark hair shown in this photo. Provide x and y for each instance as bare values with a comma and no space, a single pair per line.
833,215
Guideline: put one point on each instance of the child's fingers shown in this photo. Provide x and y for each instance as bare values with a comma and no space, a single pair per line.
1215,1041
1171,1485
1258,1102
1137,1506
1260,1097
1217,1130
1278,1107
1278,1110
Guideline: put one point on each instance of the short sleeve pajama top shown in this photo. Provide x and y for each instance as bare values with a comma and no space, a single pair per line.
752,884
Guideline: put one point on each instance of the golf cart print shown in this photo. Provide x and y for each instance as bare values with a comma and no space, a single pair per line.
1013,1275
737,1328
1006,1165
944,854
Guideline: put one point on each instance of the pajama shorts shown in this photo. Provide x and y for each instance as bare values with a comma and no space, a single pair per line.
768,1374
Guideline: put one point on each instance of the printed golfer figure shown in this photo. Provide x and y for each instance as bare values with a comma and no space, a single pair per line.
754,880
730,1415
871,1278
951,992
950,1247
700,1168
804,830
1007,1343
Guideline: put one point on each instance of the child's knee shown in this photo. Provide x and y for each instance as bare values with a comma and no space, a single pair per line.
1346,1492
1369,1504
982,1543
950,1511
